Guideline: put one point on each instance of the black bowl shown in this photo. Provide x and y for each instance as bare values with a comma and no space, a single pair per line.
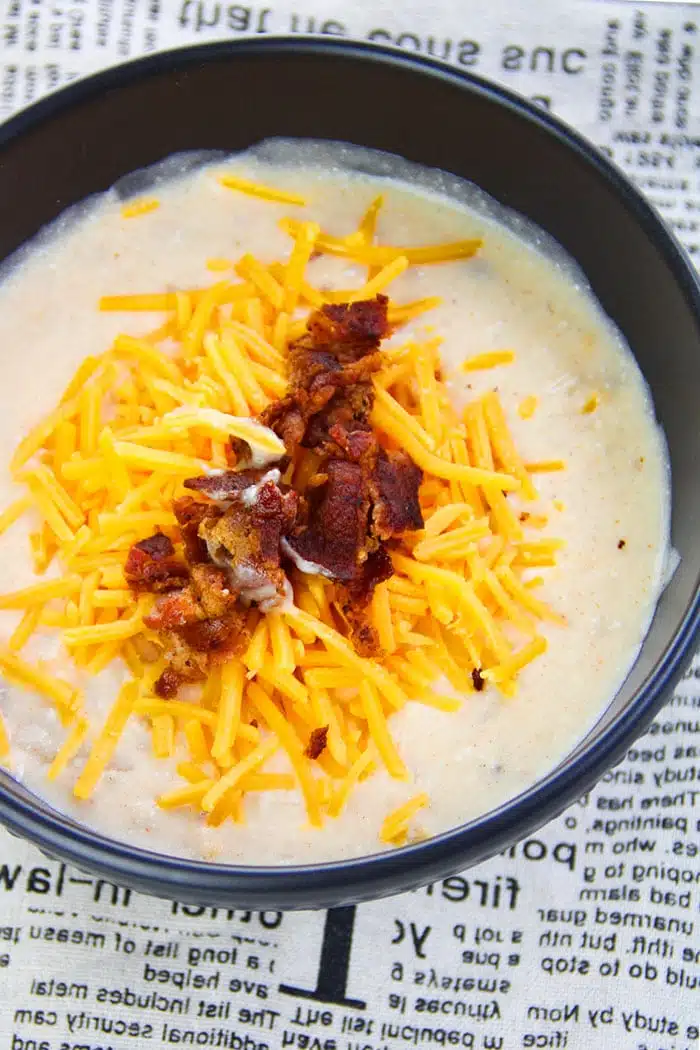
228,96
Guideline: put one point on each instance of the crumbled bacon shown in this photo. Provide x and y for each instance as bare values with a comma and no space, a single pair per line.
358,507
213,590
221,637
286,418
317,742
337,530
352,329
191,648
354,499
168,684
152,566
245,541
157,546
208,595
224,486
394,487
333,430
190,514
188,664
329,369
358,443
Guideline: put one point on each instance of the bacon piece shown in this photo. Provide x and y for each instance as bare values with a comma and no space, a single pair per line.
191,648
362,504
183,661
336,535
338,353
206,634
190,514
352,329
224,486
157,546
394,489
151,565
201,624
174,610
359,444
317,742
208,595
346,413
245,542
212,589
231,484
286,419
168,684
220,637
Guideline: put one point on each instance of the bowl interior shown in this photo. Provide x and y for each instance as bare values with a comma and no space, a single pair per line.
86,138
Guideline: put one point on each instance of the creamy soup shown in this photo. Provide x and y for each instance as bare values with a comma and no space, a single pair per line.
570,389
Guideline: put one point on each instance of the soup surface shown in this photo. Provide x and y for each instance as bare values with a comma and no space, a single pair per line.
570,389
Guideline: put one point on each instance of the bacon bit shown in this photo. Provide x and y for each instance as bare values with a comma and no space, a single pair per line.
359,496
167,685
190,514
394,487
246,542
342,427
336,535
157,546
355,328
220,637
374,570
187,663
152,566
329,369
317,742
174,610
213,590
205,635
358,445
224,486
286,419
478,679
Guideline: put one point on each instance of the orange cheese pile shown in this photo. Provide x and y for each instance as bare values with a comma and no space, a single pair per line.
103,468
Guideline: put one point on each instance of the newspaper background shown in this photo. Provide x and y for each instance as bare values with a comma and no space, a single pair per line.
592,940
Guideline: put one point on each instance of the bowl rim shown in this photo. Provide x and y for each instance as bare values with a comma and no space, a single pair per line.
369,876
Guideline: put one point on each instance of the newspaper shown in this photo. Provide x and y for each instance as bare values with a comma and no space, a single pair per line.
585,935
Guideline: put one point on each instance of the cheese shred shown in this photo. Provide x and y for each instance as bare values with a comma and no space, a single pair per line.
100,473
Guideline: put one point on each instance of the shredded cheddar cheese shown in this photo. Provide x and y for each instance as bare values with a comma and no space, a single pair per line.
489,359
256,189
528,406
141,206
70,748
100,472
395,826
